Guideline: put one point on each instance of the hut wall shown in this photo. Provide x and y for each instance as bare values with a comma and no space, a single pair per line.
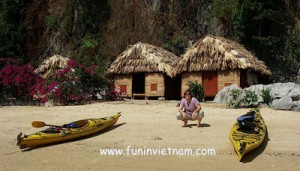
155,84
124,81
228,77
189,76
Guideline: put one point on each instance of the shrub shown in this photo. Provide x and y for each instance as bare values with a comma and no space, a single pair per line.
249,99
237,99
234,98
266,95
51,21
111,93
20,82
197,90
75,83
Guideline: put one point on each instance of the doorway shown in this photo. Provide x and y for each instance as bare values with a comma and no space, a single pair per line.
172,88
138,83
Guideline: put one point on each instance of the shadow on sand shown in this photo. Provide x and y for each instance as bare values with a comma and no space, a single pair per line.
203,125
249,157
77,139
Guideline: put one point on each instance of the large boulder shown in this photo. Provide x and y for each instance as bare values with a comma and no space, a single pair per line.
257,89
296,106
280,90
223,95
295,93
285,103
286,95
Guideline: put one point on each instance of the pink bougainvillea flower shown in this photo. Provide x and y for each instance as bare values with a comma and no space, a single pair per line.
71,63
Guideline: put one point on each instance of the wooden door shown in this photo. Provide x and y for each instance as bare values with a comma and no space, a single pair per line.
210,83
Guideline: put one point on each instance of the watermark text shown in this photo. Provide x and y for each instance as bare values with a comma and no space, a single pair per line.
130,151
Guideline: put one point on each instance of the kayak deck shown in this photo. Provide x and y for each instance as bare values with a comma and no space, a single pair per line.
59,134
245,141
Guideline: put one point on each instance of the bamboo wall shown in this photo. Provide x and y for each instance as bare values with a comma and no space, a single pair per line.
154,84
121,80
189,76
228,77
225,78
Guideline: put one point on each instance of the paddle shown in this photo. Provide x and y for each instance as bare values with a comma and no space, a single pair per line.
39,124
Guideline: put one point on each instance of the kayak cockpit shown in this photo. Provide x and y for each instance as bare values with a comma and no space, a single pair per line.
77,124
73,125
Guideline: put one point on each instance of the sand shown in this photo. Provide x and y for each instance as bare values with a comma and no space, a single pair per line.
148,125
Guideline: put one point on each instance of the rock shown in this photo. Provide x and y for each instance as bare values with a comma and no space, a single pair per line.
279,90
295,92
296,106
257,89
223,95
161,98
285,103
286,95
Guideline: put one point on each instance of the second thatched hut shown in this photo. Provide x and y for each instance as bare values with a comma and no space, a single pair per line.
216,62
51,64
144,70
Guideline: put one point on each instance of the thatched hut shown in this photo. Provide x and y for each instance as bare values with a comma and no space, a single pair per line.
216,62
145,70
51,64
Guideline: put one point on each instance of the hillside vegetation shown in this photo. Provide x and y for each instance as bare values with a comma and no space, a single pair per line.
95,32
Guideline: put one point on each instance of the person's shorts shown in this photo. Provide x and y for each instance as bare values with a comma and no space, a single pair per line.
189,117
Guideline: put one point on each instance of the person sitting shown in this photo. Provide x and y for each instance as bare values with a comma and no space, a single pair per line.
189,109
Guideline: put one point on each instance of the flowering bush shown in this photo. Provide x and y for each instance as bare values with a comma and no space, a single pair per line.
75,83
20,82
111,93
6,61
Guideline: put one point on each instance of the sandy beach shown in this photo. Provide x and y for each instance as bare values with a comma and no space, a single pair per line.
148,125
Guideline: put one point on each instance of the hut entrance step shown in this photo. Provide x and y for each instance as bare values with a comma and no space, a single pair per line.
139,95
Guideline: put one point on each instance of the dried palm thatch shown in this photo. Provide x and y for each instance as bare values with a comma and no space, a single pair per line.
51,64
213,53
143,57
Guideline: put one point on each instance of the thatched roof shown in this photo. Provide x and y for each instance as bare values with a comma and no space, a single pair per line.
143,57
50,64
213,53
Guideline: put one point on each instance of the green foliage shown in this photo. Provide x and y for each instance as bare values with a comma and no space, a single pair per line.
223,10
266,95
265,27
91,41
51,21
289,59
67,21
11,29
262,26
95,14
249,99
234,98
176,45
197,90
237,99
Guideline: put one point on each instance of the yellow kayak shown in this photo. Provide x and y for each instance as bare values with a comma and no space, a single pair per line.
66,132
245,140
